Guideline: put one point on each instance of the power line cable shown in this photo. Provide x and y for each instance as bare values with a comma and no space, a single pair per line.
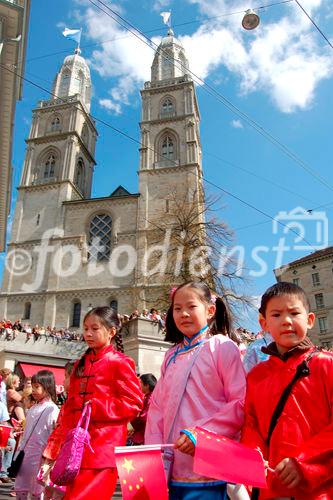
314,24
212,91
155,30
124,134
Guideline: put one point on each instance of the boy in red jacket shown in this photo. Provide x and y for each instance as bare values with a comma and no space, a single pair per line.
300,451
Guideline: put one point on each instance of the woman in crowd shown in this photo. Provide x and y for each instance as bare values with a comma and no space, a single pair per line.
14,398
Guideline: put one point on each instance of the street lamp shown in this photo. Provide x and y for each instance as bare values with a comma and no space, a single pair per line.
8,40
250,20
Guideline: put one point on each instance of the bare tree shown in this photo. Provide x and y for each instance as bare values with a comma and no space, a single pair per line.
199,247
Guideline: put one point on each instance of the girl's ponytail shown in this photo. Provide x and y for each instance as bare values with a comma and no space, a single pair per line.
80,366
223,319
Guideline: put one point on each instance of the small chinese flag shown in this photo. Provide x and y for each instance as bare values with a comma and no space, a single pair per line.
141,473
4,435
222,458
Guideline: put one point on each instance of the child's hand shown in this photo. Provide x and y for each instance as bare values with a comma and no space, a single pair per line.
288,472
185,445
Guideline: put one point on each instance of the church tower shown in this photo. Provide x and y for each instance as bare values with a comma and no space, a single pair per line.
170,153
59,160
58,168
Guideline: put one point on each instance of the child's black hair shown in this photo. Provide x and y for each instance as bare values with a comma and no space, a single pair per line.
109,318
221,323
46,379
283,288
69,367
149,379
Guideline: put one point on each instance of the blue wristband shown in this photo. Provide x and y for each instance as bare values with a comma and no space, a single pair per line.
190,435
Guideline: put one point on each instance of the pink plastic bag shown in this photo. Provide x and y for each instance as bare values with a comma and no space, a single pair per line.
68,463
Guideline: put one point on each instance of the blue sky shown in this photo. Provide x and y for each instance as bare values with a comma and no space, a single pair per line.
280,75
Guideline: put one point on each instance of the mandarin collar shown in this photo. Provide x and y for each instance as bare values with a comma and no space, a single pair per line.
102,352
272,349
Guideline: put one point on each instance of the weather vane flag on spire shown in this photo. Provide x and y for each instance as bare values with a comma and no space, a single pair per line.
73,35
166,18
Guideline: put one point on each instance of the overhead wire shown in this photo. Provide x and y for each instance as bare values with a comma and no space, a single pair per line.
155,30
127,136
212,91
314,24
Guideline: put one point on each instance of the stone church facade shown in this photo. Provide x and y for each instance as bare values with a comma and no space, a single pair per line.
70,252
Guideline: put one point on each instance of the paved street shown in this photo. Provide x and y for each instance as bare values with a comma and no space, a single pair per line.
5,490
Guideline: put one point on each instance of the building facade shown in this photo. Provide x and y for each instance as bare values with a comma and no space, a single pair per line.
79,252
314,273
14,18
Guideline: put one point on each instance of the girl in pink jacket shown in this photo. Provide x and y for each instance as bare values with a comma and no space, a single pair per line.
202,384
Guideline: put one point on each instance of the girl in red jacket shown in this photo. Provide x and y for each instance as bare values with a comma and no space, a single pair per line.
300,451
108,379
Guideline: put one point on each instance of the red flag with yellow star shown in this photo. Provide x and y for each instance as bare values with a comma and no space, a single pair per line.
222,458
141,473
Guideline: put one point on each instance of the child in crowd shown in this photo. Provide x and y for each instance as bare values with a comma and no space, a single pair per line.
136,436
202,383
299,453
40,421
107,378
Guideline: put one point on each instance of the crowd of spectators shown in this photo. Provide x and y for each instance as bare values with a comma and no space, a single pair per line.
10,330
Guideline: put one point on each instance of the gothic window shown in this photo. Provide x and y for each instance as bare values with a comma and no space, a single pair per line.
167,65
100,237
167,108
79,175
76,314
85,135
78,83
167,151
64,83
49,167
55,124
114,305
27,310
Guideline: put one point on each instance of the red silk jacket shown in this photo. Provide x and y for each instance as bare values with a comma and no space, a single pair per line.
304,430
109,381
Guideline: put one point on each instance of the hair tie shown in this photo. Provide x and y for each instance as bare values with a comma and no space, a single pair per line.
213,298
172,292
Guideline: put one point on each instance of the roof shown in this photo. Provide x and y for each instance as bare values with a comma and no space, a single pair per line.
320,254
120,191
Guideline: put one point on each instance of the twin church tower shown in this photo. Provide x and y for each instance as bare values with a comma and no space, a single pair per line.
70,252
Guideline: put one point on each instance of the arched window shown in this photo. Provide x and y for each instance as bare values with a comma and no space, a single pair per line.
55,124
85,135
77,86
167,108
79,175
49,166
27,310
76,314
100,237
65,82
114,305
168,150
167,64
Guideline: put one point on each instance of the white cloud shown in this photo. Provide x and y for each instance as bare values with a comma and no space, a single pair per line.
236,124
284,59
110,106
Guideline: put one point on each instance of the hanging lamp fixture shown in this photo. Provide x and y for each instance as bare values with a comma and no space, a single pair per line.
250,20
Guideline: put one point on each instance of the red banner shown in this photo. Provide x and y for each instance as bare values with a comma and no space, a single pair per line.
221,458
141,473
